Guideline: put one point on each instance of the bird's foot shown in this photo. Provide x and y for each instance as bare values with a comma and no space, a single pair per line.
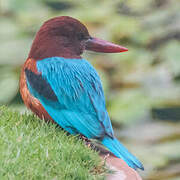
106,156
88,142
85,139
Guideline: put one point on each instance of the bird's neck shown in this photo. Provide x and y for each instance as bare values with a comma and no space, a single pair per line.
45,46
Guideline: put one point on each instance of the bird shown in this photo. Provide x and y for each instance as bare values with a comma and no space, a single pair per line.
58,85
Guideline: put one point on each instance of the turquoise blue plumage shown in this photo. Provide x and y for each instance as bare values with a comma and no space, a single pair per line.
58,85
80,104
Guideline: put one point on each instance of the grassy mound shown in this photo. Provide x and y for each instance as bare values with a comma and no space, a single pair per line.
32,149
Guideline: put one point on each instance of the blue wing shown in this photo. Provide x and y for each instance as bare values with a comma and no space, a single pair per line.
77,103
71,92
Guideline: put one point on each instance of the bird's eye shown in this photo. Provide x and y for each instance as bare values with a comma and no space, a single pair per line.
80,36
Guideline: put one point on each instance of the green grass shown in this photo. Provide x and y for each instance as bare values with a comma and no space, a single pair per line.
32,149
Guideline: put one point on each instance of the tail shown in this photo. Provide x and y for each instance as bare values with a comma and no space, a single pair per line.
121,152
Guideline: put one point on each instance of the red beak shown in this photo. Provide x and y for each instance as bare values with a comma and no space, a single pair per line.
99,45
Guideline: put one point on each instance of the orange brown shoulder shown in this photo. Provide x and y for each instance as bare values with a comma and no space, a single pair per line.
30,101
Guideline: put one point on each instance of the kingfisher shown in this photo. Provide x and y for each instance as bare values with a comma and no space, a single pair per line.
58,85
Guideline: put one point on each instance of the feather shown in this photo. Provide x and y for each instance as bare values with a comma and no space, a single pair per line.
76,101
80,100
121,152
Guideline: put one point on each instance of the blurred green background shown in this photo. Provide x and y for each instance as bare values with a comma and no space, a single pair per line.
142,86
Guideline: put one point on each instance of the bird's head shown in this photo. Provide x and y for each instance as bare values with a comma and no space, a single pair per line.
67,37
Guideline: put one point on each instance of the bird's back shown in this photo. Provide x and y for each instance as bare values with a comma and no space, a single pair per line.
70,91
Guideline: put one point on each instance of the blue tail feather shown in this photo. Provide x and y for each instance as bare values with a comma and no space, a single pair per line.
121,152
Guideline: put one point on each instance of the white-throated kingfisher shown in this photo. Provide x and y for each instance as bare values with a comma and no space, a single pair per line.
58,85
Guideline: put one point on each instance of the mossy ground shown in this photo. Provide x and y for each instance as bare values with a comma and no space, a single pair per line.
33,149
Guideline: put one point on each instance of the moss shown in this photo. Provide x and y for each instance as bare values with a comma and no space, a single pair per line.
33,149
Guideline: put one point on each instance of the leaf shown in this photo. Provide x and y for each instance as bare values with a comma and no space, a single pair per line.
8,85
